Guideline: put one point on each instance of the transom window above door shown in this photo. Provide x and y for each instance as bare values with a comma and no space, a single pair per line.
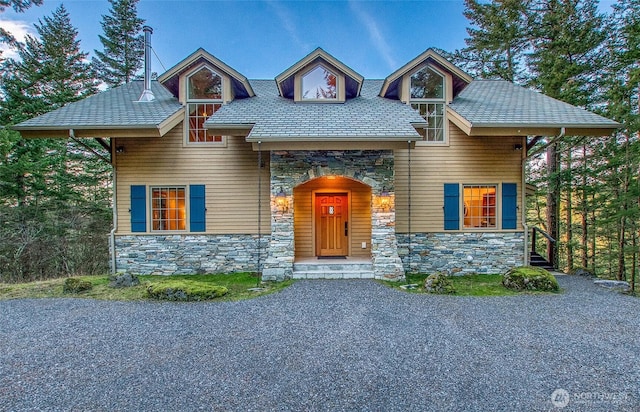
319,84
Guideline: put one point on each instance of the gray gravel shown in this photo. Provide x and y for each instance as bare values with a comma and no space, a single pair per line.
325,345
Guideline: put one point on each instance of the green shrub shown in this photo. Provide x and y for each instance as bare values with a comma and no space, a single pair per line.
439,283
184,290
75,285
530,278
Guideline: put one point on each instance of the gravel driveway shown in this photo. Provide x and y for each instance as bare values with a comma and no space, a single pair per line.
325,345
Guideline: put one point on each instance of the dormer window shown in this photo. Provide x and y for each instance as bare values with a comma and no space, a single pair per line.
427,96
319,84
204,98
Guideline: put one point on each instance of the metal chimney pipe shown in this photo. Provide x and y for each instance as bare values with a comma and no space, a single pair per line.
147,94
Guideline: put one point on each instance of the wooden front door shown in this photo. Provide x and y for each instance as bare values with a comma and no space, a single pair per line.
332,224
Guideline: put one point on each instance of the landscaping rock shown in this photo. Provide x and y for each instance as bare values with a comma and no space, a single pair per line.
179,290
439,283
530,278
124,280
617,285
581,272
75,285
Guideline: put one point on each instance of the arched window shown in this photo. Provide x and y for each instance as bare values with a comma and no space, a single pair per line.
204,98
427,92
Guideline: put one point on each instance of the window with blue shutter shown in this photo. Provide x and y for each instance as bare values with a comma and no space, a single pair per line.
197,208
138,208
509,205
451,206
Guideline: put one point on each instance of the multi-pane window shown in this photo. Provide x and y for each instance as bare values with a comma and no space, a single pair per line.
204,98
168,208
319,84
427,92
479,206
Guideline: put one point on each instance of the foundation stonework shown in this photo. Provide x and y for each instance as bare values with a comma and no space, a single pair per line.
188,254
461,253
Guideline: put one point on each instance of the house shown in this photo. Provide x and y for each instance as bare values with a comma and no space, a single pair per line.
317,172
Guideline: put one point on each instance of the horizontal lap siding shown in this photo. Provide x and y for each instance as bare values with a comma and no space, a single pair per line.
360,220
229,173
480,160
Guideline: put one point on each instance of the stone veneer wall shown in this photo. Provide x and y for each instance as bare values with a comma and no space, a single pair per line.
289,169
188,254
491,252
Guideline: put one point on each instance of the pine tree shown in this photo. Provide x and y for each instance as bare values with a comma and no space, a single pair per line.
497,42
44,182
19,6
123,44
567,38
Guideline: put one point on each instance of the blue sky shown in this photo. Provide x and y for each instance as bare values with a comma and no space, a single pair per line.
261,39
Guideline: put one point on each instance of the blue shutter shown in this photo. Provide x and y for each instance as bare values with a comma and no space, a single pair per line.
509,205
197,215
138,208
451,206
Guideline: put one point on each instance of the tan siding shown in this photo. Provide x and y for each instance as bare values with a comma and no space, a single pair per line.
229,173
480,160
360,219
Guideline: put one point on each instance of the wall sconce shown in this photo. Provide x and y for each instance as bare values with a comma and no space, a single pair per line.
385,199
119,149
517,146
281,200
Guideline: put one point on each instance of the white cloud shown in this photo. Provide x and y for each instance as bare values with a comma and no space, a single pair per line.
375,34
288,22
19,29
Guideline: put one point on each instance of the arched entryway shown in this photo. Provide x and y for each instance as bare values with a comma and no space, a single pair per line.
332,218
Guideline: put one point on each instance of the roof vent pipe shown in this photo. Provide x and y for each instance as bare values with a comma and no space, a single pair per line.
147,94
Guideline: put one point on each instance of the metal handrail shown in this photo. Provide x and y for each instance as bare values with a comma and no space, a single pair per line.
543,233
550,241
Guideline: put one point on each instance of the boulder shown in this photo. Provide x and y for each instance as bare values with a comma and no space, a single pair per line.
530,278
439,283
617,285
123,280
75,285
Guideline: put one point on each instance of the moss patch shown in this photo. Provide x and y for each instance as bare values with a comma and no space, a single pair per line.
237,285
439,283
531,279
76,285
185,290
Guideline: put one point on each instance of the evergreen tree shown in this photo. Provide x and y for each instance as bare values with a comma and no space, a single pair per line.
567,39
19,6
123,44
46,185
497,39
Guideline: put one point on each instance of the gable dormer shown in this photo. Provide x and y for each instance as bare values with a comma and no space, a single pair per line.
429,68
203,83
195,68
319,78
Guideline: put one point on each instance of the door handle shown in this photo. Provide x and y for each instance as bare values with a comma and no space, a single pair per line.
346,228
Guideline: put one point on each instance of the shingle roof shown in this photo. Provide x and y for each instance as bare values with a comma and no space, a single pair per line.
277,118
498,103
115,108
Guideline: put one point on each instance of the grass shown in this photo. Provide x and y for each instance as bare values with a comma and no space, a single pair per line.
236,283
467,285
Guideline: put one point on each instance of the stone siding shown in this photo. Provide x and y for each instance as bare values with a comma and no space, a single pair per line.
461,253
189,254
374,168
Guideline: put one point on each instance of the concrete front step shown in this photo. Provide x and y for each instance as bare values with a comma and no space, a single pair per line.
333,270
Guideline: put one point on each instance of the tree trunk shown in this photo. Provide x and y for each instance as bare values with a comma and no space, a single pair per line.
569,217
552,203
584,212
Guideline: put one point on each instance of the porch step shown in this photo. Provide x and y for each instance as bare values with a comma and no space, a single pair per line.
537,260
323,269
